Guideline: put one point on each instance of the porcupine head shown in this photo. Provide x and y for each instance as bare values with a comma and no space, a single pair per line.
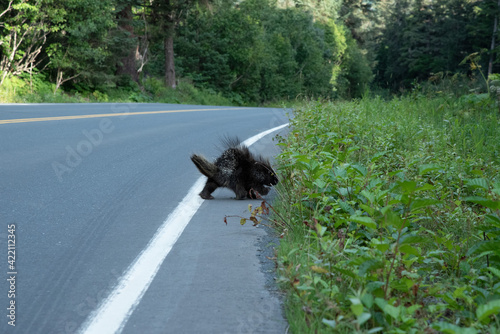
237,169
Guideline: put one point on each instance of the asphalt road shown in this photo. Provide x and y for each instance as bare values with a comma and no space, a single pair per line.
83,198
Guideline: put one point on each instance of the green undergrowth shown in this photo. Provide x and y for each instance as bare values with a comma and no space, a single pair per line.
37,89
390,216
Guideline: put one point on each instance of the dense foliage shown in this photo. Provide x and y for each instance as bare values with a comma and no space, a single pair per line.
423,38
260,52
253,51
390,213
248,51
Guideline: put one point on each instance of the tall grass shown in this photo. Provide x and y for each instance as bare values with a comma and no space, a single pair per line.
395,215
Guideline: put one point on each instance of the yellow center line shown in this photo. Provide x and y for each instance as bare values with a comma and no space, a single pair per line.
60,118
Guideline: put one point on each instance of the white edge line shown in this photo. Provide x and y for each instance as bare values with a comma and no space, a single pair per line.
255,138
114,311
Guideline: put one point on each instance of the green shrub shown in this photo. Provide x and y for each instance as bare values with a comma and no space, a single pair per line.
394,210
185,93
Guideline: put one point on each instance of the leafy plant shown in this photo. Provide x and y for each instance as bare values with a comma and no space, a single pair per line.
395,218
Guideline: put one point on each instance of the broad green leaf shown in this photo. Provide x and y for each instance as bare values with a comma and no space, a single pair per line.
369,196
485,310
345,271
381,246
319,172
360,169
369,265
410,275
477,183
343,191
423,202
353,149
448,328
367,300
367,209
399,285
378,155
321,229
413,239
320,183
363,220
484,293
408,249
392,311
386,209
424,169
393,219
493,219
305,287
485,246
494,205
405,199
374,286
356,306
413,308
425,187
396,172
357,260
346,207
387,308
380,302
495,271
303,158
459,292
363,317
408,187
496,189
450,300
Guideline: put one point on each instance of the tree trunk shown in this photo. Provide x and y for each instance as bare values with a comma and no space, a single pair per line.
493,38
169,59
127,64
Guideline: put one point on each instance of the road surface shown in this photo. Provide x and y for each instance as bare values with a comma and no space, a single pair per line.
84,190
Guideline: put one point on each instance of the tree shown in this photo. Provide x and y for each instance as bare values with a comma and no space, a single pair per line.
389,71
81,49
25,28
322,10
259,52
424,38
127,65
493,40
166,15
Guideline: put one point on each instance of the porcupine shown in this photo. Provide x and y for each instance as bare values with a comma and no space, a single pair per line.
237,169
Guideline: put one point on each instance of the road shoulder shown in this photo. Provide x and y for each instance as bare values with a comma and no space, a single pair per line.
216,278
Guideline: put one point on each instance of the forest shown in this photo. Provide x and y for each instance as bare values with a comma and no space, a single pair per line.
251,51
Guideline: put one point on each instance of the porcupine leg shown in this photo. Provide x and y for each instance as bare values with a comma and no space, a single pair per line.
209,188
240,192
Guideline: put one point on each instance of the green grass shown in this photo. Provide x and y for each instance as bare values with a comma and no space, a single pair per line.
38,90
392,216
